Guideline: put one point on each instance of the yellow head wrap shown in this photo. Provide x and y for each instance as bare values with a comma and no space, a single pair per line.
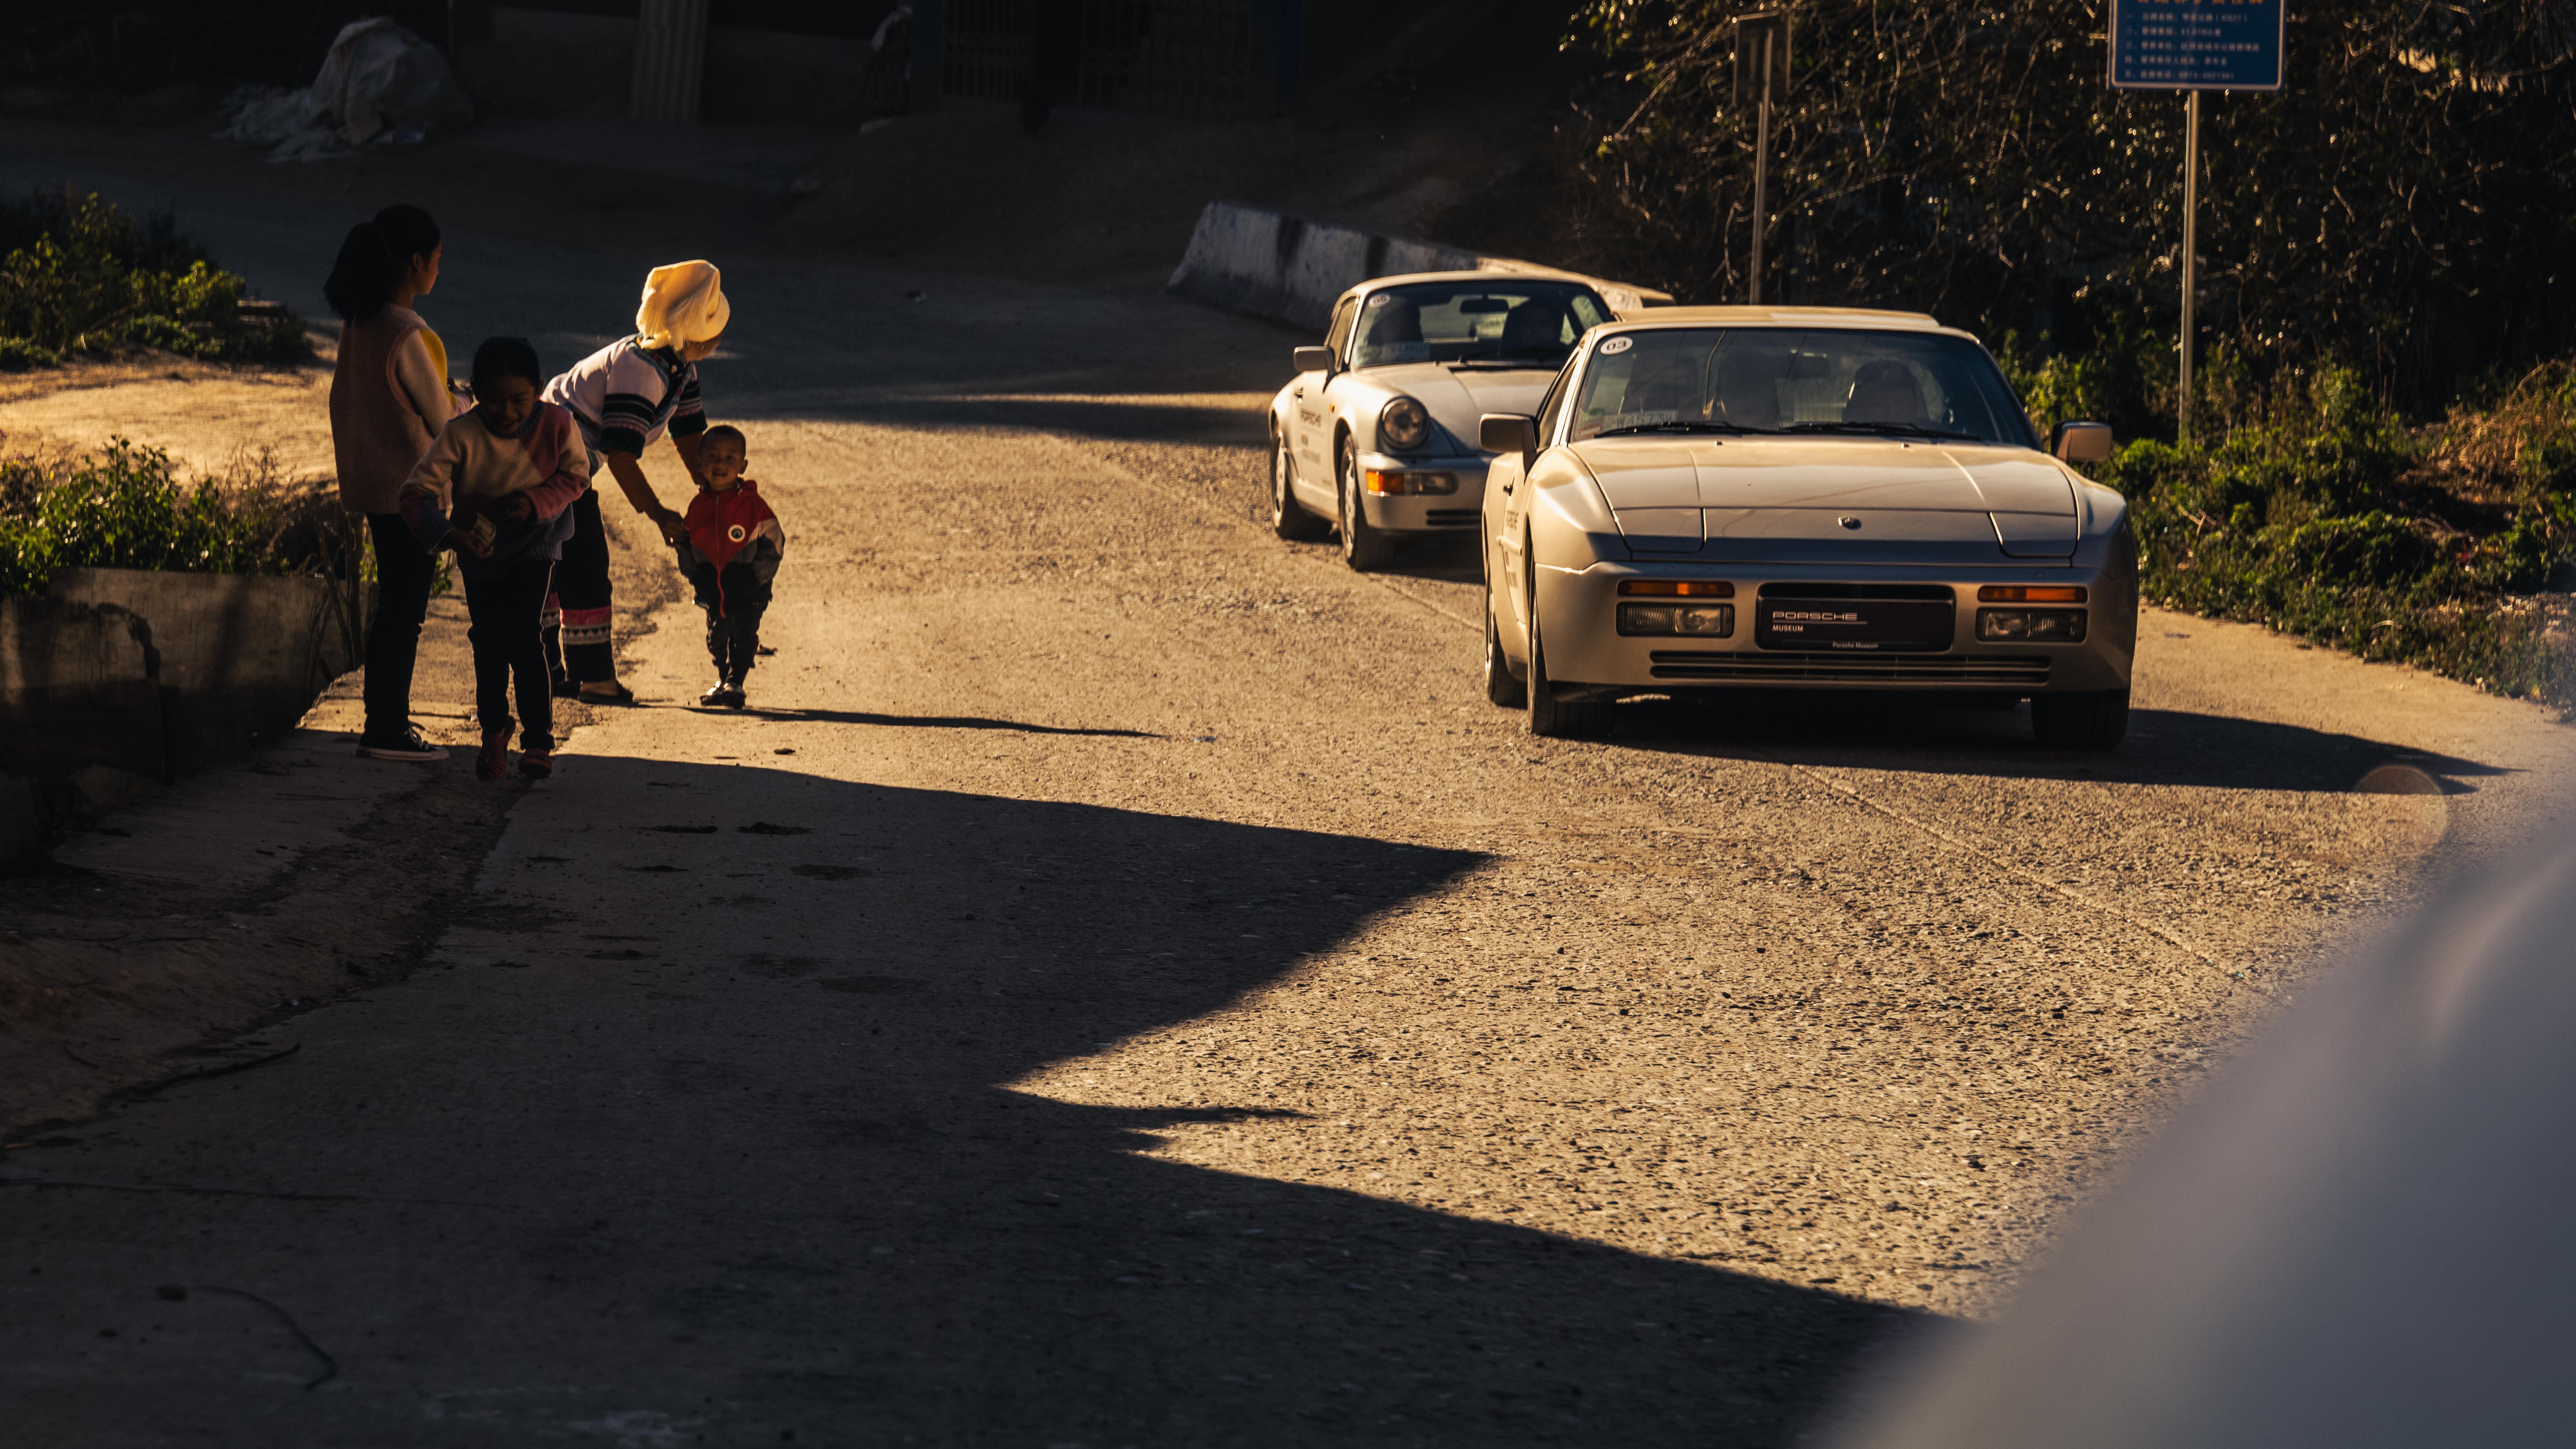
683,302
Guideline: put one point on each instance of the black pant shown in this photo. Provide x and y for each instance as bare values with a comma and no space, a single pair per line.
734,602
582,586
503,606
403,574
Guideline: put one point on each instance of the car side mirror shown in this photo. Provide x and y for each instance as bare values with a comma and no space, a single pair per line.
1507,433
2081,442
1314,359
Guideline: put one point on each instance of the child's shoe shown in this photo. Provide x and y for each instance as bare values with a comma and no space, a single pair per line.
718,695
733,696
537,764
494,762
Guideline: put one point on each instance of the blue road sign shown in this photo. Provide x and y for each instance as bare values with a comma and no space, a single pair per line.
2197,45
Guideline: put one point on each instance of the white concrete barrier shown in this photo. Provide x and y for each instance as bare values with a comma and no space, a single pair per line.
1268,264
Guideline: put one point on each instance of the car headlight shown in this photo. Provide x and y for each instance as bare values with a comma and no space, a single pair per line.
2047,626
1404,424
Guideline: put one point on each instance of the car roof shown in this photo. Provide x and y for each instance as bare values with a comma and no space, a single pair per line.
1856,317
1492,276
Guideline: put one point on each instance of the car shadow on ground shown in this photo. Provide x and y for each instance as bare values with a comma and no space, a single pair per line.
740,1061
1884,732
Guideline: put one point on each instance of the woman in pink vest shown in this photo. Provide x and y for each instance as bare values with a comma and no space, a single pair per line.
389,398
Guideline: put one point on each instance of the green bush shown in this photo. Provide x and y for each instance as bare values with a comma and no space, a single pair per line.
2319,513
80,277
125,507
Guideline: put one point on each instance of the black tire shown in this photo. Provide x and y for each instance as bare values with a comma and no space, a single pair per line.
2080,721
1363,548
1554,718
1500,687
1288,517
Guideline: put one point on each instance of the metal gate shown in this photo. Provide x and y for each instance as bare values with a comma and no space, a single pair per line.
1209,58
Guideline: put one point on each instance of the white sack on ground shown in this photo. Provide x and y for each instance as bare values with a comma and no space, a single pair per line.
380,85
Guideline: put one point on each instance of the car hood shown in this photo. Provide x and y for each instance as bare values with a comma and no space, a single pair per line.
1829,499
1458,397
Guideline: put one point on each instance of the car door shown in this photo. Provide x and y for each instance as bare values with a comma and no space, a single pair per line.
1506,555
1311,431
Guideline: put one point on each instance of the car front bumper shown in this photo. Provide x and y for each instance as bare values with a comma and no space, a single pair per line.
1584,648
1456,512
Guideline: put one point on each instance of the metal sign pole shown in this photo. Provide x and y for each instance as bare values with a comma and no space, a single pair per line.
2194,46
1761,166
2190,252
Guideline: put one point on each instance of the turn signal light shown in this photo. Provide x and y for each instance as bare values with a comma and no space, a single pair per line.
2031,594
1383,481
1677,588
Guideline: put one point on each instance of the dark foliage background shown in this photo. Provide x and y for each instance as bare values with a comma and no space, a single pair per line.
2401,207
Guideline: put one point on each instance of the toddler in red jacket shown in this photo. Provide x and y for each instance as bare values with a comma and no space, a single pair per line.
733,551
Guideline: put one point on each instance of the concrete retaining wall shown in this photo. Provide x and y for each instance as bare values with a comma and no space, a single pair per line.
1286,268
241,658
126,680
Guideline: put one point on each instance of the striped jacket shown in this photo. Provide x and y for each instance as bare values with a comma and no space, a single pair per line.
625,396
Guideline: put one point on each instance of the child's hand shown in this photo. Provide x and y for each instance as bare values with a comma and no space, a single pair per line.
518,507
463,542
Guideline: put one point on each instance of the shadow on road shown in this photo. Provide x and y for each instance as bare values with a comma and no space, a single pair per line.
921,721
765,1166
1880,732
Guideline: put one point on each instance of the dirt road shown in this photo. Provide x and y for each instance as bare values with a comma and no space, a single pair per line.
1120,984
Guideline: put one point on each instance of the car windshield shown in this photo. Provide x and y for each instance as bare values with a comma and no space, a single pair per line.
1785,380
1508,321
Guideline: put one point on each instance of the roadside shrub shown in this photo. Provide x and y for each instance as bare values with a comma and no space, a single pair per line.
125,507
80,277
2321,514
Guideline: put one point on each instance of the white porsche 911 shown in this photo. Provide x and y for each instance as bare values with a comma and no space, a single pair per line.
1808,498
1376,435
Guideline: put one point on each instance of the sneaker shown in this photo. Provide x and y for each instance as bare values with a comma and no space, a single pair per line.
537,764
494,762
717,695
733,696
406,746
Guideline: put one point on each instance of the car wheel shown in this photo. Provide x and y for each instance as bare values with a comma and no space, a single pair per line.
1363,547
1500,687
2080,721
1288,517
1554,718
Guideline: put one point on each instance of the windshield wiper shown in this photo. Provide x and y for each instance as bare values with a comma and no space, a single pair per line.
1694,427
1552,358
1910,430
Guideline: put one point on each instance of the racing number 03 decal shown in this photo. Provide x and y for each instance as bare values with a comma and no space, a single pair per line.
1617,345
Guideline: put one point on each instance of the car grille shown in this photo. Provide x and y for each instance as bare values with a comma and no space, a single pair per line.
1848,669
1449,517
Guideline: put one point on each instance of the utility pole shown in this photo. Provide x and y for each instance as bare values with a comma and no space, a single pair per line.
2190,252
1761,73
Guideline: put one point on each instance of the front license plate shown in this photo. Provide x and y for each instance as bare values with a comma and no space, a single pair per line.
1900,625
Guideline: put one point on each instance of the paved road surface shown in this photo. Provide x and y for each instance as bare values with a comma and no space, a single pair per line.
1120,984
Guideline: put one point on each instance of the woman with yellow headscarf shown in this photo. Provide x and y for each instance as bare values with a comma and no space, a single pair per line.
625,397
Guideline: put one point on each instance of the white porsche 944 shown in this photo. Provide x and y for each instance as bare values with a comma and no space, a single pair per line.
1808,498
1376,436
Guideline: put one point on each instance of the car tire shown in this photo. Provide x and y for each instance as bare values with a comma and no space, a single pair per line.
1363,548
1500,687
1554,718
1288,517
2080,721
